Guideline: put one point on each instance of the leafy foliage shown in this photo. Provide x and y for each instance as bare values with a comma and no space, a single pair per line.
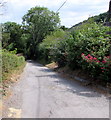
11,36
50,43
10,62
84,46
39,22
91,39
98,19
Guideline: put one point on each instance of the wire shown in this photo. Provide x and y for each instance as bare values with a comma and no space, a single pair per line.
61,6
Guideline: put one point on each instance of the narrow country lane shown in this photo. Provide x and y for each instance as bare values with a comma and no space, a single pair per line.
42,93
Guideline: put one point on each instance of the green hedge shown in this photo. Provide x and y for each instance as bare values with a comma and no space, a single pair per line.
10,61
89,39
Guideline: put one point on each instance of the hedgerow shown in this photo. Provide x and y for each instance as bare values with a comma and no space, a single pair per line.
10,61
89,39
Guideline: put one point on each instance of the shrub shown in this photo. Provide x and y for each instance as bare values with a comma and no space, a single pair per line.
98,67
90,39
10,61
47,48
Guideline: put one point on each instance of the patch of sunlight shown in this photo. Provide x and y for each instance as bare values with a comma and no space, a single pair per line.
14,113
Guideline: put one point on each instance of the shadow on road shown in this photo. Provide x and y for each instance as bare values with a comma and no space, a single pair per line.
71,86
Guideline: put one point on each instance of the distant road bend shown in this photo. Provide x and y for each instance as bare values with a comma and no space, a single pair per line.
42,93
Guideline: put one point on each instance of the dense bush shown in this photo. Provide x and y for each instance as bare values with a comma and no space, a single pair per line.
94,41
89,39
98,67
10,61
50,44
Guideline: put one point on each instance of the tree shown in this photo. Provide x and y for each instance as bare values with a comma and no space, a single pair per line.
11,36
63,28
39,22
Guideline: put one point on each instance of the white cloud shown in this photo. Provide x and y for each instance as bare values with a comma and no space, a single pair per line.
71,13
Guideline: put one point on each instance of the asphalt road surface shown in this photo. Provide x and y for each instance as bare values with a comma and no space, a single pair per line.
42,93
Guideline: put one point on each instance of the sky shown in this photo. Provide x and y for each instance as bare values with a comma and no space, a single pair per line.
73,11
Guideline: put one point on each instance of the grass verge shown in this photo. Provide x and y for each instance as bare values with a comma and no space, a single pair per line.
10,78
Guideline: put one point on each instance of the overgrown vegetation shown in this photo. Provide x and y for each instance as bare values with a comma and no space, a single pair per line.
37,23
84,46
10,62
50,44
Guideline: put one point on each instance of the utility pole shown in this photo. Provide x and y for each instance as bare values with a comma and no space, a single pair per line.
109,19
109,12
108,23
